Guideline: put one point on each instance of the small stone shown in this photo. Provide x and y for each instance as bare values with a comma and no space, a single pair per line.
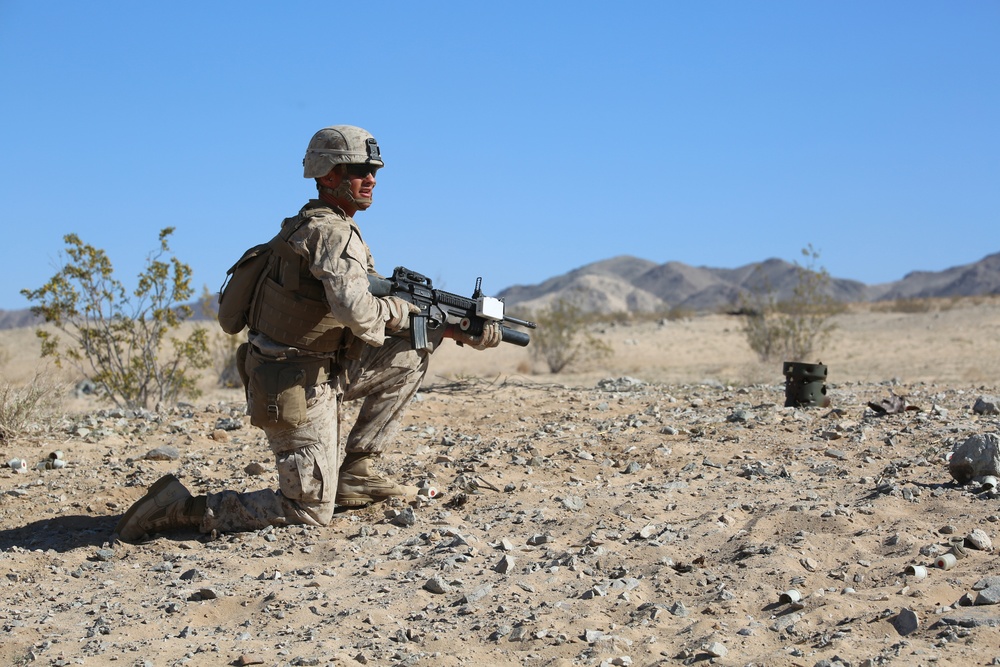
476,595
678,609
437,585
648,531
165,453
906,622
989,595
404,517
977,457
979,540
716,650
254,469
505,565
594,592
228,424
208,594
987,405
986,582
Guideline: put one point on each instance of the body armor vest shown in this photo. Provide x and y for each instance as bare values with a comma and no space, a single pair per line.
291,307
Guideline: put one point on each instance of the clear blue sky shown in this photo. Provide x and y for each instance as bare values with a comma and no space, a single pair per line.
522,139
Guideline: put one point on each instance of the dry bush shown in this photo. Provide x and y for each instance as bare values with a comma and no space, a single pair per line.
563,339
222,346
791,330
904,306
26,409
223,352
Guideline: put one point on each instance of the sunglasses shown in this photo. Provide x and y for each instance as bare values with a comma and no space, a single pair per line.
360,170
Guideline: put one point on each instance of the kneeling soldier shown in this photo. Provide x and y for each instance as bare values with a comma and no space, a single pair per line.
317,337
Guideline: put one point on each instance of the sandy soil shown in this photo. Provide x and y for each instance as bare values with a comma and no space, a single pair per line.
650,511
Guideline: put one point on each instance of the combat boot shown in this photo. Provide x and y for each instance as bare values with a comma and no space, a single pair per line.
167,505
360,484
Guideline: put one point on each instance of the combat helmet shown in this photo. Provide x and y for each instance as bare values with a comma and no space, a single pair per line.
339,144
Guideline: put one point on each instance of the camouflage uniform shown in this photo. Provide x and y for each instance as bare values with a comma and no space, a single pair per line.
317,337
386,374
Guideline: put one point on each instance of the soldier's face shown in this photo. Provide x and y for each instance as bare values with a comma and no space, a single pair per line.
362,183
352,186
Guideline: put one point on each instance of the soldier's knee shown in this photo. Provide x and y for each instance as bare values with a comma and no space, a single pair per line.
311,514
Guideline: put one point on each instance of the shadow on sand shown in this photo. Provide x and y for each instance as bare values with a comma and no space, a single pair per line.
61,534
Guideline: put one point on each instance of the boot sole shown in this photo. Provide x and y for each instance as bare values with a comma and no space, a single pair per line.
360,500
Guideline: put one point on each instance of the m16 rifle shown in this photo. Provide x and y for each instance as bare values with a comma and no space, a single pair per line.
439,308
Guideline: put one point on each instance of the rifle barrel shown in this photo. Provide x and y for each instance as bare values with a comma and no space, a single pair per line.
523,323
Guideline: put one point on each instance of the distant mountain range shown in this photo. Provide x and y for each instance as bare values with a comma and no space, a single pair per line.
630,284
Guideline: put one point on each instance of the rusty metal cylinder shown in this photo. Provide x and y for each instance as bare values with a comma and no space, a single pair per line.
805,384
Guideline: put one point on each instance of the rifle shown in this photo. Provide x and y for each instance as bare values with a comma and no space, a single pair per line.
439,308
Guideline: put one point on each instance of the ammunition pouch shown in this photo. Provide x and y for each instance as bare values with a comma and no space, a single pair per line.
294,319
277,390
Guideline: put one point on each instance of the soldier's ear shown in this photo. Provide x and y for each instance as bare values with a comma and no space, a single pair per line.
332,179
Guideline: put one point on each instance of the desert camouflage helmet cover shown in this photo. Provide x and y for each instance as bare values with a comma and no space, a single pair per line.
339,144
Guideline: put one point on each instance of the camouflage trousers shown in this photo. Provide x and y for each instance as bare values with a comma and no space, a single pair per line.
308,457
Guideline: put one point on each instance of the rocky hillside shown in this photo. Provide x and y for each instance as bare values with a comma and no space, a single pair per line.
630,284
15,319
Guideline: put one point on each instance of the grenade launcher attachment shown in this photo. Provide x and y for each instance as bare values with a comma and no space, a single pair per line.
439,308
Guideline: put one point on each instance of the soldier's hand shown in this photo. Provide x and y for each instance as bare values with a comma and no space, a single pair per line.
490,337
399,313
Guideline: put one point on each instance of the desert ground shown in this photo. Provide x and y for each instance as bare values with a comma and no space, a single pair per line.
660,507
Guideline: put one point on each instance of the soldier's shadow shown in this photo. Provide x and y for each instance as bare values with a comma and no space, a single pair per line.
61,533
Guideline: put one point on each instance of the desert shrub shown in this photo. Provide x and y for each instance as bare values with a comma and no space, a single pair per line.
562,337
26,408
222,346
118,339
677,313
907,306
223,352
791,329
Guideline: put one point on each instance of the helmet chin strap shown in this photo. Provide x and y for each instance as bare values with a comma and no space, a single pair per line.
343,193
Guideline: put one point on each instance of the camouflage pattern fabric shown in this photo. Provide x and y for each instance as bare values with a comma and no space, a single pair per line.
307,459
386,376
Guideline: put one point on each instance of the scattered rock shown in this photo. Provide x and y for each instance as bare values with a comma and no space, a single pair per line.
906,622
979,540
977,457
164,453
986,405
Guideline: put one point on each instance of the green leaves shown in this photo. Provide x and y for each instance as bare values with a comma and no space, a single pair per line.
120,339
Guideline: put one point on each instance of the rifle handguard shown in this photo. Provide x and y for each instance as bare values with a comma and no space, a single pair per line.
416,289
